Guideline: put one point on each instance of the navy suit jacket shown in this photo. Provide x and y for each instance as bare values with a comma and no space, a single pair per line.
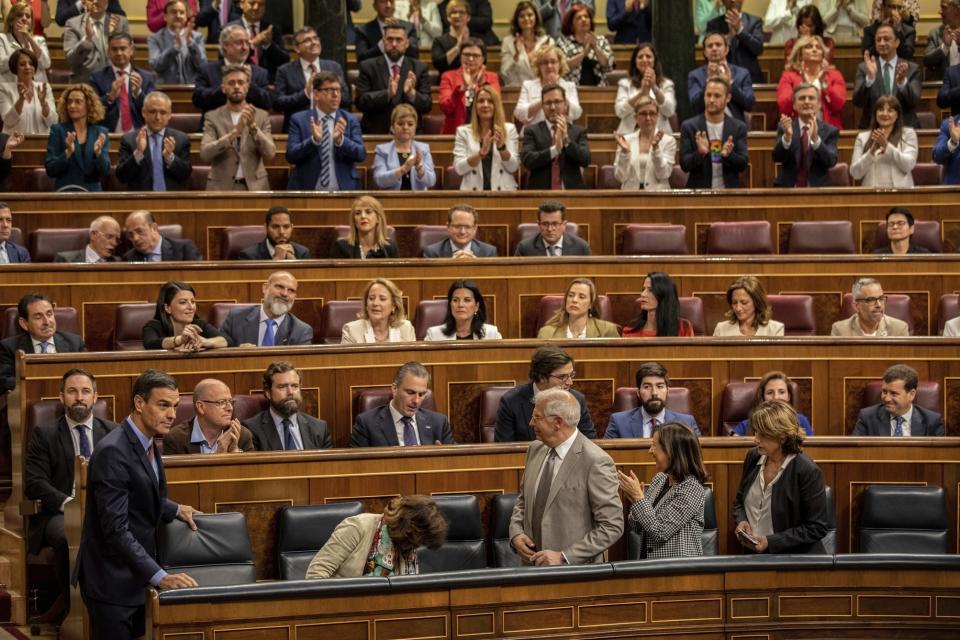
631,27
289,95
444,249
63,342
209,17
242,326
207,94
272,55
67,9
375,428
875,421
629,424
314,433
139,176
742,98
516,410
171,250
17,253
819,160
699,167
942,155
102,83
260,251
746,46
126,502
305,155
369,36
949,95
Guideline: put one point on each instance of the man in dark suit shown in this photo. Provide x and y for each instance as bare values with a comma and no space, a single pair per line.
892,13
155,157
550,367
946,150
10,252
8,142
325,144
213,428
742,98
235,47
744,35
266,43
149,246
105,235
949,95
943,41
67,9
40,335
555,151
209,16
126,502
806,147
553,239
462,220
122,87
294,88
653,385
897,415
381,87
369,36
283,427
278,244
270,323
713,145
887,74
48,470
402,422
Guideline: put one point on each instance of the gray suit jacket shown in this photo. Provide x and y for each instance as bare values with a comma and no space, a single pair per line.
243,326
172,65
85,56
583,516
375,428
875,421
313,432
219,149
444,249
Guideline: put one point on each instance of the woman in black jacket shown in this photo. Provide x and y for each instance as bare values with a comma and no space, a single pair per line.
176,326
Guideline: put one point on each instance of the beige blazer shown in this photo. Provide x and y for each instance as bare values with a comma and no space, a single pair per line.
218,149
583,515
851,327
596,328
345,553
355,332
726,328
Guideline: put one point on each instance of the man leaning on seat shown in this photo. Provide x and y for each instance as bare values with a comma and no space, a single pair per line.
897,415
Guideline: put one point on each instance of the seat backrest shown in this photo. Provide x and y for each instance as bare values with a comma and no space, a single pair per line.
829,541
335,314
527,230
678,399
465,547
710,536
947,309
898,306
735,404
303,530
501,509
489,405
550,304
188,122
678,177
607,178
218,312
128,328
66,318
45,244
748,237
654,240
373,397
796,312
50,410
236,239
927,120
927,174
432,124
428,314
198,177
451,179
839,175
903,519
248,405
926,233
691,308
426,234
186,412
16,235
218,553
928,395
829,236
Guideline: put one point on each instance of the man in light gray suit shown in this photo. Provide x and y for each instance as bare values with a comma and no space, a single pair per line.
270,323
897,415
105,235
578,529
86,37
283,427
462,221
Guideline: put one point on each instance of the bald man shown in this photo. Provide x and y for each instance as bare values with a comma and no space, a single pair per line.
105,235
149,246
214,429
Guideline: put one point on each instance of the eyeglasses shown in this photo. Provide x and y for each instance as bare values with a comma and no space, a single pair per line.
896,224
471,56
552,225
461,227
646,114
222,404
565,377
330,91
873,300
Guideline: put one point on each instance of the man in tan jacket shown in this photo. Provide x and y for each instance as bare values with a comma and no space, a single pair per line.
870,319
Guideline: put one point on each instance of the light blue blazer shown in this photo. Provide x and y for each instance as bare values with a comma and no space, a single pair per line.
386,163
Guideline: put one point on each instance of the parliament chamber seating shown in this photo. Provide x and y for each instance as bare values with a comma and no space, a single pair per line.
489,405
654,240
130,321
947,309
678,399
748,237
333,315
431,124
466,545
927,174
691,308
678,178
830,539
907,519
218,311
66,318
186,412
236,239
501,552
527,230
451,179
549,305
840,175
926,234
425,235
897,306
737,400
302,530
45,244
429,313
821,237
796,312
929,395
218,553
606,178
708,538
373,397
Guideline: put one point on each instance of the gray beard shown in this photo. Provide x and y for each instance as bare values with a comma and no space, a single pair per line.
278,307
78,413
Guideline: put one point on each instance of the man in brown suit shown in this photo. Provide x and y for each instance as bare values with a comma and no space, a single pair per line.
214,429
237,138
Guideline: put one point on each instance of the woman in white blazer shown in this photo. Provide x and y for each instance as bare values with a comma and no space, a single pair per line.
466,315
645,158
403,164
551,65
884,156
520,46
381,318
646,79
20,35
26,106
485,153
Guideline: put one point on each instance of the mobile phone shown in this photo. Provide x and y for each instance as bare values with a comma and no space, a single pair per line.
747,537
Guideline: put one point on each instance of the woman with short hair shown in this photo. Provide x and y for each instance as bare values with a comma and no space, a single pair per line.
403,164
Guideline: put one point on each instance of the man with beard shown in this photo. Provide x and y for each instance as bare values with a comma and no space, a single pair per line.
653,382
283,427
48,475
213,429
39,335
370,41
555,151
713,145
105,235
278,245
269,324
871,319
208,92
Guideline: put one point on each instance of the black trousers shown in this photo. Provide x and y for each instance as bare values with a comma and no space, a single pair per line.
113,621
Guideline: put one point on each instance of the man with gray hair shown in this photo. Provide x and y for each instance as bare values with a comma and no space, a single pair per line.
155,157
235,47
105,235
581,526
870,319
270,323
403,421
806,146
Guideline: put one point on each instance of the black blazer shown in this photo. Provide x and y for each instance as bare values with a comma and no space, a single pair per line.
819,160
313,432
63,342
373,97
342,249
914,248
260,251
875,421
369,36
536,247
271,55
67,9
375,428
171,250
699,167
48,471
207,94
908,95
209,17
746,46
949,95
907,37
536,156
289,95
516,409
798,506
153,332
139,176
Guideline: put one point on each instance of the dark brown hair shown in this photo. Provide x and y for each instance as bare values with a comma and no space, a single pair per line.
413,521
683,451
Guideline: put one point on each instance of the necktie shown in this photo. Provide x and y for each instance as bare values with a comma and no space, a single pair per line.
394,71
154,257
803,169
126,118
553,250
255,54
409,435
82,439
540,501
898,429
289,443
156,159
556,183
44,346
887,79
224,12
269,336
323,182
4,256
653,427
151,456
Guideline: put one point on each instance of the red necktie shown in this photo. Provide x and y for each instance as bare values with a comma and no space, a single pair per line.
126,118
803,171
395,71
255,55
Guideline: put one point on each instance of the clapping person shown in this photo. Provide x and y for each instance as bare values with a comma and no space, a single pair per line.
466,317
403,164
26,105
809,23
19,35
945,150
87,33
579,316
887,74
425,18
589,55
551,65
645,158
645,79
808,64
884,155
368,233
775,385
780,18
845,20
806,147
8,142
630,20
447,48
517,50
156,14
177,51
381,317
78,151
943,42
659,310
176,326
750,313
485,152
458,87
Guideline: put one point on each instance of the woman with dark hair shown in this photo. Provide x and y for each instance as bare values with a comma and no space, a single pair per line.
645,79
750,314
780,18
368,233
669,513
78,151
176,326
27,105
659,310
459,87
775,385
579,317
884,155
466,317
809,23
516,51
589,55
21,36
781,503
374,544
808,64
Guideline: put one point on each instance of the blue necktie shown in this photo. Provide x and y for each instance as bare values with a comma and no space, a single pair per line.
44,346
409,435
289,444
82,439
156,159
269,337
323,182
898,429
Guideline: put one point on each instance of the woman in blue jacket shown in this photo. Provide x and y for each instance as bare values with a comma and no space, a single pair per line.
78,151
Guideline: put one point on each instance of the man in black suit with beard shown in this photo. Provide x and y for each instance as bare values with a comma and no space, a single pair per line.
369,36
555,151
283,427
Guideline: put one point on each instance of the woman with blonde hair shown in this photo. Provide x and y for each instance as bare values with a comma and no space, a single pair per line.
381,318
885,154
579,317
78,151
750,314
403,164
645,158
808,64
485,154
368,233
518,48
21,35
551,65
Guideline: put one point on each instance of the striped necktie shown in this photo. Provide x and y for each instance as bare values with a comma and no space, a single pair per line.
323,182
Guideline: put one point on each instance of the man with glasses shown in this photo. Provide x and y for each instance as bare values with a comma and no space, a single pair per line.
208,91
283,426
294,82
555,151
892,13
900,228
653,383
553,239
888,73
266,43
870,319
739,83
105,235
213,429
550,367
897,416
462,220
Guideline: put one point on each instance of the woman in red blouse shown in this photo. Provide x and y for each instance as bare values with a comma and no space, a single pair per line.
659,310
808,63
458,87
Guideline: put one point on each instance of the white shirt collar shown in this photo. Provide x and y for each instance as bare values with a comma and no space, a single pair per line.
563,448
72,424
91,256
907,419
